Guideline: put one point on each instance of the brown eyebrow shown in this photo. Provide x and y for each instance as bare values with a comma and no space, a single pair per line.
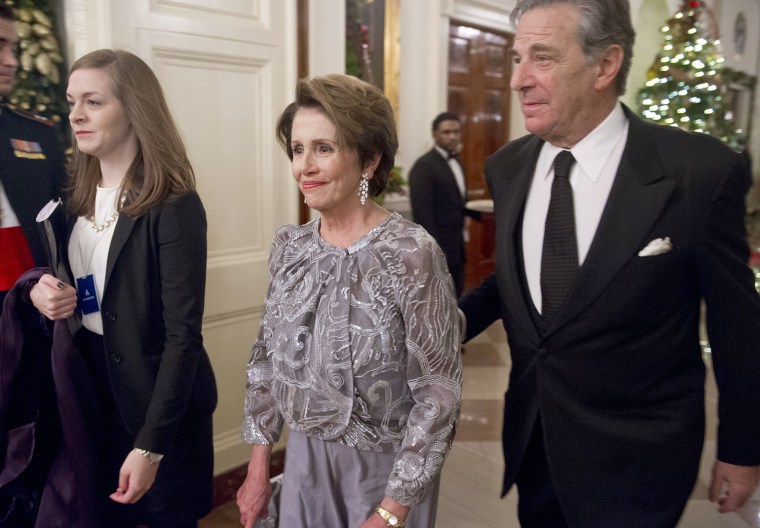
86,94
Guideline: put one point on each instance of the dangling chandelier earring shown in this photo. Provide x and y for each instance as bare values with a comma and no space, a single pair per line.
364,188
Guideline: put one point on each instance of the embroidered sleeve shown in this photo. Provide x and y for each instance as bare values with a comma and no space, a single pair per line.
434,371
262,423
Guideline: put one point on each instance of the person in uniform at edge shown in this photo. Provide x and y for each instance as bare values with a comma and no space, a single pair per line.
32,169
604,416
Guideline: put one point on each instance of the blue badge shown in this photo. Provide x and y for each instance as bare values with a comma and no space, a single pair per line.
88,302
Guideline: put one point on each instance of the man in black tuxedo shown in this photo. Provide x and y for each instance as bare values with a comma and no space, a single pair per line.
604,415
438,191
31,169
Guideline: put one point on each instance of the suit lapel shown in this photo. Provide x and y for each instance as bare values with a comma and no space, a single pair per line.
637,197
510,194
122,231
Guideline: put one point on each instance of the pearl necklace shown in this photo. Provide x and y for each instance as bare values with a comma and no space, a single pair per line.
108,221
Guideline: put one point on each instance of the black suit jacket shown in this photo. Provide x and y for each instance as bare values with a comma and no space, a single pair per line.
438,206
161,376
618,377
152,311
30,179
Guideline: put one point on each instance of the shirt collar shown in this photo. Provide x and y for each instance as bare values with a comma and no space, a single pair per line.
591,153
442,152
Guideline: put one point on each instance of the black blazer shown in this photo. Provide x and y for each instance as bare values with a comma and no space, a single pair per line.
152,311
618,377
438,205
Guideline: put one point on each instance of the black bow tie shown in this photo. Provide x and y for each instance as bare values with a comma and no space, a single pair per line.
453,155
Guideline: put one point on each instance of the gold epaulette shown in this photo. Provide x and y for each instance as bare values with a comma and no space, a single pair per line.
27,114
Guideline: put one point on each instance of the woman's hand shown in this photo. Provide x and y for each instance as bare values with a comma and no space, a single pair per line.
375,521
136,477
253,496
253,499
53,298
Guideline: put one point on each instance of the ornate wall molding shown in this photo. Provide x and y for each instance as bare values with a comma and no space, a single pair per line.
87,26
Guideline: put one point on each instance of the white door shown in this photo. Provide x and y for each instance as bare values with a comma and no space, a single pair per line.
228,69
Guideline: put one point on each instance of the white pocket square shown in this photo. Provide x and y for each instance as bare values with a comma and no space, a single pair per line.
658,246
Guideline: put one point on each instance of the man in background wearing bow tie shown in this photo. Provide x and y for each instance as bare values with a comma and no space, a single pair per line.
610,231
438,191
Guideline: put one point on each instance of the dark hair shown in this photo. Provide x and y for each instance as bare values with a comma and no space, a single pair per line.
445,116
161,167
361,114
6,11
602,23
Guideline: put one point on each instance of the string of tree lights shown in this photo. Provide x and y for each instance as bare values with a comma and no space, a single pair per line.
686,85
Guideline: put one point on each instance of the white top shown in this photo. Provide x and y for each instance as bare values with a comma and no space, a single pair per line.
88,250
7,215
597,157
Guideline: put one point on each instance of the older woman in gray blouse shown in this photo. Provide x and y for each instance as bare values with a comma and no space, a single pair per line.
358,350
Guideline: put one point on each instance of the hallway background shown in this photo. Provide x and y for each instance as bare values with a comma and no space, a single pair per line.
230,66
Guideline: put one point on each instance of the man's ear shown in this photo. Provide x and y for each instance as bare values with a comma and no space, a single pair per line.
608,67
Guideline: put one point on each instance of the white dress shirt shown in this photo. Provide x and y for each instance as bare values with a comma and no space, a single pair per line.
597,157
88,250
456,168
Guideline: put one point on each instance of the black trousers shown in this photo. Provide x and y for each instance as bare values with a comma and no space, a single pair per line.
538,505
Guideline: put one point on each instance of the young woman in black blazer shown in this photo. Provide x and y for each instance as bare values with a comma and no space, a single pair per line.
137,249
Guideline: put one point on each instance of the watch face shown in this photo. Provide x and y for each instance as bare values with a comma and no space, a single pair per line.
393,520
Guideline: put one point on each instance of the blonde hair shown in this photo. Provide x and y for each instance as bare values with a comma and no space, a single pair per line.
161,167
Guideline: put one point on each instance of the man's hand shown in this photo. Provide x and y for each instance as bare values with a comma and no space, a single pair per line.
732,485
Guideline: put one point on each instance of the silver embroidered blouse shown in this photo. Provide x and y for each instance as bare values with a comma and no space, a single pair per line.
360,346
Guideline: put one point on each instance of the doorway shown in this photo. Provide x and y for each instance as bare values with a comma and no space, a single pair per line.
480,67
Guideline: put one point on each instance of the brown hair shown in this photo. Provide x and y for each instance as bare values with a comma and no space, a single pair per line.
161,167
361,114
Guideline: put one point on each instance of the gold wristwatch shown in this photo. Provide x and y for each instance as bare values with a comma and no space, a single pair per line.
391,519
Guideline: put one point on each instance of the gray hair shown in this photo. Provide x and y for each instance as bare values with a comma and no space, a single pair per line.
602,23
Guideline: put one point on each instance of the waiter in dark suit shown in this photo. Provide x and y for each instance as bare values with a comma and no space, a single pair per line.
438,191
31,169
604,415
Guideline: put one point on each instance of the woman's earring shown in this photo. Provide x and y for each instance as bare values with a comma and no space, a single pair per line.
364,188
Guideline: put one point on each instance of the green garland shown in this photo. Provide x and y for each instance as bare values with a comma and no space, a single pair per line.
39,88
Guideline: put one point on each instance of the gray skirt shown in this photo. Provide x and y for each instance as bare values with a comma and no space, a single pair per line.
327,484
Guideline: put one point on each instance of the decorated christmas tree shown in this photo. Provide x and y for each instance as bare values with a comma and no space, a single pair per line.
39,87
686,85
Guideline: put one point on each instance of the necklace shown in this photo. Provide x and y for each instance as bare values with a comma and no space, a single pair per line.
108,221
